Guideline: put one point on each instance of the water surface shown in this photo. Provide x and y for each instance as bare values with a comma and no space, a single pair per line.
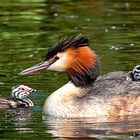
29,27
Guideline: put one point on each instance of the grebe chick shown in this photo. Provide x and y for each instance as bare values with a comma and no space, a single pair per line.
86,94
136,73
18,98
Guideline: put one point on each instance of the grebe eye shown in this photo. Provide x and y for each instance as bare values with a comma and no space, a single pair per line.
56,58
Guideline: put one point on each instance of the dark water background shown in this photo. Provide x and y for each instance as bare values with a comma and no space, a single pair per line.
29,27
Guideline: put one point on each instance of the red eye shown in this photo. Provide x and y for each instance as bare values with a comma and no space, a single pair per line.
56,58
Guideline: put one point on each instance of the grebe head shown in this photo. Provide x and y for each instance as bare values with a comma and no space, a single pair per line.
20,94
73,56
136,73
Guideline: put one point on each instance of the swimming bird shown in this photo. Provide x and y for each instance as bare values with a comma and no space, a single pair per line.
87,94
18,98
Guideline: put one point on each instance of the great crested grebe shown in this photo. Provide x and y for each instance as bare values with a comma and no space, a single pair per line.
18,97
85,95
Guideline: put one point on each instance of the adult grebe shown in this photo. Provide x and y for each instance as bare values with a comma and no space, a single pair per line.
18,98
85,95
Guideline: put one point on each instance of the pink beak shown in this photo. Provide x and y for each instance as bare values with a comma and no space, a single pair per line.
41,66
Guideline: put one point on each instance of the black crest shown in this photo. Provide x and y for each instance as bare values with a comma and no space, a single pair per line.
65,43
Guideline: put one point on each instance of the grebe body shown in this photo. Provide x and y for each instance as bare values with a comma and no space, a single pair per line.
18,98
110,95
87,94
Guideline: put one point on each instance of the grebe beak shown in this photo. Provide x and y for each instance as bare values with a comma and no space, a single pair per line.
41,66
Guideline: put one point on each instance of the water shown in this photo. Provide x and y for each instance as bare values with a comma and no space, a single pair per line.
29,28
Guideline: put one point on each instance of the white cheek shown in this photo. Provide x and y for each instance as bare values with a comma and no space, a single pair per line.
60,64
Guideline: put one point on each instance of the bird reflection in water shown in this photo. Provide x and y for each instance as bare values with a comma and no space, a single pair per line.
123,127
17,119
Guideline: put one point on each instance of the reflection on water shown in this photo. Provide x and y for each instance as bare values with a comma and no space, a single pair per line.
15,120
29,27
20,117
85,128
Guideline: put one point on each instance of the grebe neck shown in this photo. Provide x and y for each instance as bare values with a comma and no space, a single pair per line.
59,102
25,102
86,76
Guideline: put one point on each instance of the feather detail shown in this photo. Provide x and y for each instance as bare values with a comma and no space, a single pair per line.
82,66
65,43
